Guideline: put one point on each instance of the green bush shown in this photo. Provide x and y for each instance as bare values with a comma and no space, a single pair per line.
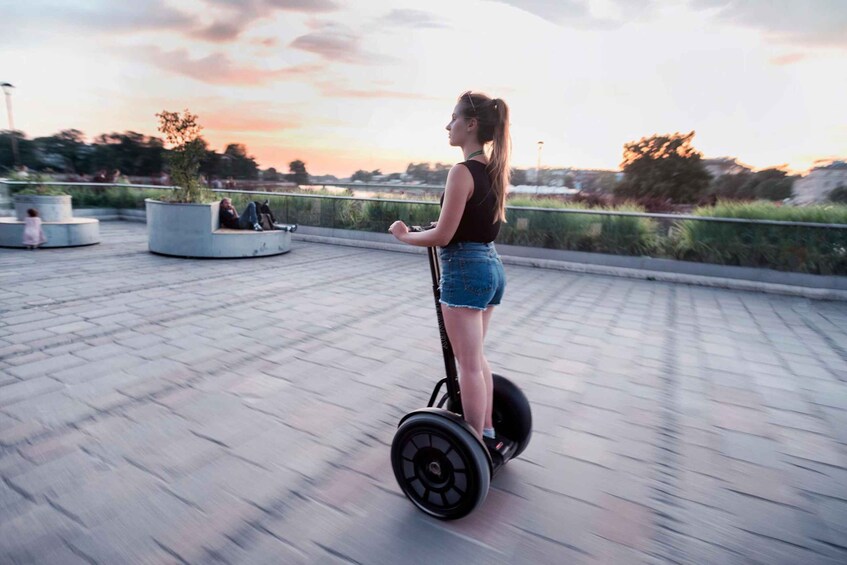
787,248
37,185
113,197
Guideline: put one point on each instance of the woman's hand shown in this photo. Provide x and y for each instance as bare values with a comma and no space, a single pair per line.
399,230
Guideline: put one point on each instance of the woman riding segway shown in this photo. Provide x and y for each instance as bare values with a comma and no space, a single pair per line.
471,284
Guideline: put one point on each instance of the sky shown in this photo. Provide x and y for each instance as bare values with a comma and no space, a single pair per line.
370,84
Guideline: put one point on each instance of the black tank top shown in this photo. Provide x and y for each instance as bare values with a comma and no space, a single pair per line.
477,223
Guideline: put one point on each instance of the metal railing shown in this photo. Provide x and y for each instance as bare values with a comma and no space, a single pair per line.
800,246
622,213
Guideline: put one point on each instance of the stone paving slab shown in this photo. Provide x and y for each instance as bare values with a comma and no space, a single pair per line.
157,410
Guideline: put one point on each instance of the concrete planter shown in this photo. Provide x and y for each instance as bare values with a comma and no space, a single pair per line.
193,230
50,208
60,226
180,229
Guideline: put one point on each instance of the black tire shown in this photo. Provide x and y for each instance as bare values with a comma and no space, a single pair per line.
511,413
440,466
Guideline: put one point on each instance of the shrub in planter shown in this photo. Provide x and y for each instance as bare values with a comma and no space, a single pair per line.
36,186
182,132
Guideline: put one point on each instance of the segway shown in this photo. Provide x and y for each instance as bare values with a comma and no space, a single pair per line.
438,461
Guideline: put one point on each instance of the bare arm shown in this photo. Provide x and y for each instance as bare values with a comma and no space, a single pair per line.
456,194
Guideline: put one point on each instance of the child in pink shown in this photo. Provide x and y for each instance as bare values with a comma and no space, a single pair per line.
33,234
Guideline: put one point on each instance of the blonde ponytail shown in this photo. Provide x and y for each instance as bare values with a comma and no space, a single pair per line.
501,153
493,118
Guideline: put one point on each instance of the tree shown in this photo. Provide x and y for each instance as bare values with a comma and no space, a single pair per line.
210,162
270,174
606,182
131,152
425,173
733,187
65,151
361,175
518,177
773,184
838,195
768,184
26,150
297,172
237,164
663,166
183,133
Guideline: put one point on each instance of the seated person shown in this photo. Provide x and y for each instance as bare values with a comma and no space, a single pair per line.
230,218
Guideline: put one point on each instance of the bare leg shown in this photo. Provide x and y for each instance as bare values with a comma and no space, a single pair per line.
486,371
464,328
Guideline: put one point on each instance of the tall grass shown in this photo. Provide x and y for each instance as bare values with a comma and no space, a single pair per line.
786,248
112,197
625,235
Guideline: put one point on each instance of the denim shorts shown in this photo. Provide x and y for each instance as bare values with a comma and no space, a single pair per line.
472,275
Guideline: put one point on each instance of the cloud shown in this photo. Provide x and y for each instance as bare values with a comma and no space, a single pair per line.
413,18
336,90
99,16
338,44
266,6
580,13
243,13
557,12
218,68
811,22
219,32
788,59
240,120
331,46
267,42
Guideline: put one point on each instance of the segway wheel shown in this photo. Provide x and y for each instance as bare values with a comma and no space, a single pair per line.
440,465
511,413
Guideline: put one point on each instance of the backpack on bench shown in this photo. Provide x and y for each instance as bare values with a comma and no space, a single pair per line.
266,217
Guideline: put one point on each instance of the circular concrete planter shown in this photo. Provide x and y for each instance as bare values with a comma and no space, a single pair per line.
180,229
50,208
57,220
192,230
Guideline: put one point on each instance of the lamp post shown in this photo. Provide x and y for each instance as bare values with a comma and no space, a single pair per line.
7,90
538,168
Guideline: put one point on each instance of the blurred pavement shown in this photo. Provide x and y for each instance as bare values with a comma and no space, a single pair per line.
160,410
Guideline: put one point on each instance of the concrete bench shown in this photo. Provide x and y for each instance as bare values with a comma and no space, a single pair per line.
70,232
193,230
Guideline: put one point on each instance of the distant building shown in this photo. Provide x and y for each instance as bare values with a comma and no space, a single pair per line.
547,190
725,166
595,180
816,185
323,179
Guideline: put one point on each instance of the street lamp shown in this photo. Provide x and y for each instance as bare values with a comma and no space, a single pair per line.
538,168
7,90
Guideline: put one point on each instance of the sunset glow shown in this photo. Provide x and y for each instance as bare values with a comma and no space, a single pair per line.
346,85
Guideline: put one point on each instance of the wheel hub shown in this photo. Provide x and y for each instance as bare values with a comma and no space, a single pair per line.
433,468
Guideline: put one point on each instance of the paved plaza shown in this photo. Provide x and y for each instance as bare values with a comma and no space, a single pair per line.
161,410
